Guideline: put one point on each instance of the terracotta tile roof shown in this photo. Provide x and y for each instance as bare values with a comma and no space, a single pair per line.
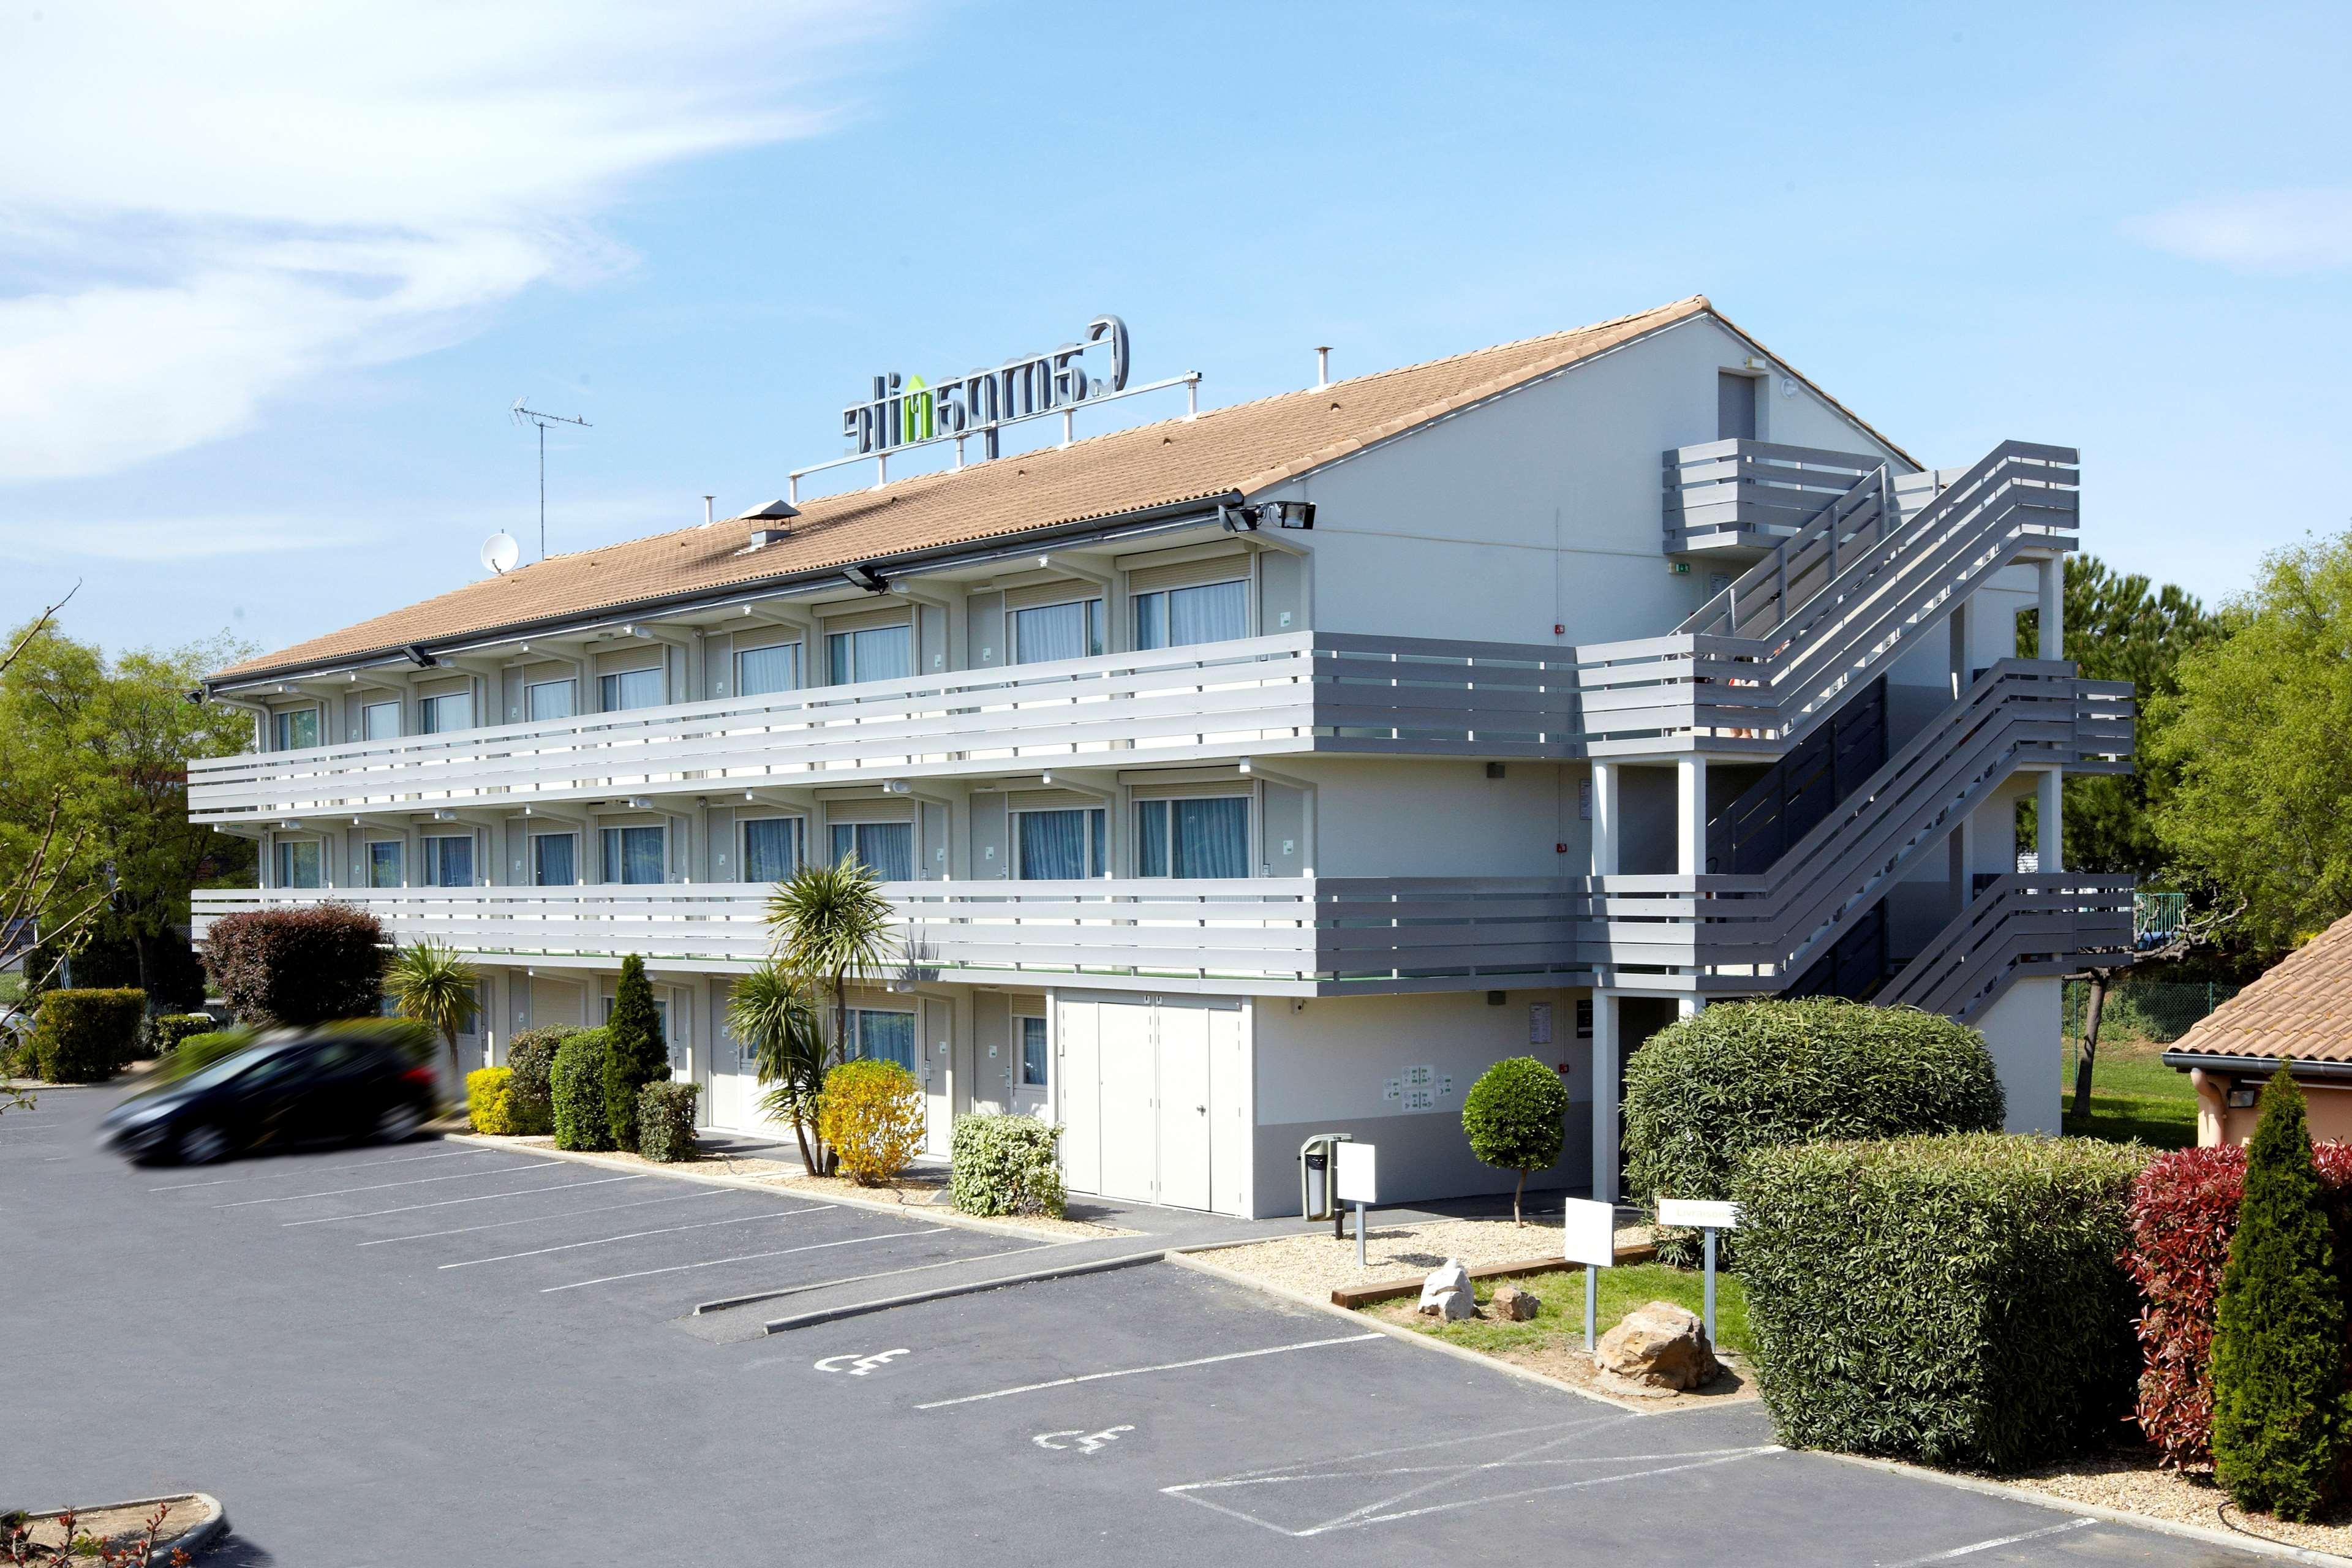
1245,447
2301,1010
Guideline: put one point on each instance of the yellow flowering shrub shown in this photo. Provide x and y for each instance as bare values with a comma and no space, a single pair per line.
485,1099
872,1115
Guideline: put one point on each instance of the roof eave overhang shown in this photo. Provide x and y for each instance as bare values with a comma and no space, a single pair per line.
2214,1061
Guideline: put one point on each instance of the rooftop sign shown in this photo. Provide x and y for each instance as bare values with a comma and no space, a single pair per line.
902,413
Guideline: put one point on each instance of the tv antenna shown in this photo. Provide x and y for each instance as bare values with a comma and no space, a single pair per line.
522,415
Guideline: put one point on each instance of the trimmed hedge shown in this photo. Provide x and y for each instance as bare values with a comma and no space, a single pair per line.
87,1036
298,966
531,1102
665,1120
165,1031
1757,1075
1956,1300
198,1052
2184,1214
1005,1165
488,1107
577,1095
872,1118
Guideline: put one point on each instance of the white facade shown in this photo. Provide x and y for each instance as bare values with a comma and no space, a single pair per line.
1438,782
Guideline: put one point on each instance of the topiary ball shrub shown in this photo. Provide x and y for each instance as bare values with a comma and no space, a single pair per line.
1515,1118
1754,1074
1960,1299
166,1030
666,1121
297,967
1005,1165
638,1053
86,1036
577,1099
530,1093
872,1116
486,1105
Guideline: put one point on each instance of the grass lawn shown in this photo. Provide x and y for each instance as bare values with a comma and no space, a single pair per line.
2134,1095
1622,1289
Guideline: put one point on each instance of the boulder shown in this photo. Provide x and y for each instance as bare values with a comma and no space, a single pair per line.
1446,1292
1660,1348
1513,1304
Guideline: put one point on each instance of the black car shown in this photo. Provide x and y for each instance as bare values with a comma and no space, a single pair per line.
278,1093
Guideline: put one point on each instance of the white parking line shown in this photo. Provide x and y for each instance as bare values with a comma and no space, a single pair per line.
1972,1549
1164,1366
537,1218
634,1235
444,1203
740,1258
380,1187
314,1170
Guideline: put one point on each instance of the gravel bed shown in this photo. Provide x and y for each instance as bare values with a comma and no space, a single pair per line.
2131,1480
1315,1265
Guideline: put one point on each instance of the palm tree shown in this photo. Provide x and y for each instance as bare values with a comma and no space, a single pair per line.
773,1013
832,925
431,984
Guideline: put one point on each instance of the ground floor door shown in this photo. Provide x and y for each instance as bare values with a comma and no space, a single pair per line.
935,1034
1156,1097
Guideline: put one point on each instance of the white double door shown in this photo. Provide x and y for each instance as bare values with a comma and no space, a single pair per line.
1157,1101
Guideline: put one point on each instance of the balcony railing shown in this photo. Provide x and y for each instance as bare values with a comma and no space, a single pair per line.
1748,494
1300,692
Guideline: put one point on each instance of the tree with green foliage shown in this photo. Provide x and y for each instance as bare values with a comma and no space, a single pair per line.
773,1014
1515,1116
639,1054
2254,741
431,984
831,926
2279,1400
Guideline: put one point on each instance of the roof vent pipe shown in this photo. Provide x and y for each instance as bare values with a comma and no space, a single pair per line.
1322,365
706,509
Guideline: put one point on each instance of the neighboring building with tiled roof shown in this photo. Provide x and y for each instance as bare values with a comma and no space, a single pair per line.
2299,1013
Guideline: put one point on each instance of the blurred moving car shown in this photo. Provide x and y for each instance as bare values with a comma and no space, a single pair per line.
282,1092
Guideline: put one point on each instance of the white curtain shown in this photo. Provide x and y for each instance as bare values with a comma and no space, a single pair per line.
764,669
1057,631
1215,612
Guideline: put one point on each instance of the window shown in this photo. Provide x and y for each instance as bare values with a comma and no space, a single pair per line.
299,863
1179,617
449,862
555,859
383,862
440,715
887,847
626,689
759,670
884,1036
1060,846
1073,630
1192,837
771,848
875,653
632,855
549,699
1032,1052
380,722
296,728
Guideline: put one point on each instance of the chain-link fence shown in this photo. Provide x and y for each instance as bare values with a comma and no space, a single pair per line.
2156,1011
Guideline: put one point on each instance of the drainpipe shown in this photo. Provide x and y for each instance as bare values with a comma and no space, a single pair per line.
2212,1107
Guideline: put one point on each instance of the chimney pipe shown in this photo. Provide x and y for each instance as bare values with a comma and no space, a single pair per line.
1322,365
706,509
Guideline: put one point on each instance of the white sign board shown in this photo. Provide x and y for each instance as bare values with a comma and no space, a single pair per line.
1538,1023
1698,1214
1357,1181
1591,1232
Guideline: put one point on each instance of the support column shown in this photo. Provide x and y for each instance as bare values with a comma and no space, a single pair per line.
1690,816
2050,823
1604,823
1963,657
2053,617
1606,1055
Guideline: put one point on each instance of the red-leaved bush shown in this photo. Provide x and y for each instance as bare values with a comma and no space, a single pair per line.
2184,1210
297,967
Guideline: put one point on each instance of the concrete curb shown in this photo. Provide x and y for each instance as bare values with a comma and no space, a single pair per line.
195,1540
947,1292
2210,1536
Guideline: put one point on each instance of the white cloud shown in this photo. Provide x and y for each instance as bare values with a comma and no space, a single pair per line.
2263,231
205,206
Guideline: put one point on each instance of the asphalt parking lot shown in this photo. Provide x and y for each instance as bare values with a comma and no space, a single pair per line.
435,1353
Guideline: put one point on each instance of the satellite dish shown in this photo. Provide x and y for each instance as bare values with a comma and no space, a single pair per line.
499,553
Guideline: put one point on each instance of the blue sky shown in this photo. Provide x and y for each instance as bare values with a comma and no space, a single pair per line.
270,278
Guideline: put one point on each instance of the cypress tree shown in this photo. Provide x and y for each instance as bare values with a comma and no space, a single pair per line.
639,1054
2278,1339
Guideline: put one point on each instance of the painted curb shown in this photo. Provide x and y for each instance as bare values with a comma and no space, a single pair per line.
947,1292
2261,1545
194,1542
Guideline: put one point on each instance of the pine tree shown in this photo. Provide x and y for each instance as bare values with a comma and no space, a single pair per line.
2279,1422
639,1055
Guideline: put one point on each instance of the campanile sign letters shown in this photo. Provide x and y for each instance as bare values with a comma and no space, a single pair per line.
900,412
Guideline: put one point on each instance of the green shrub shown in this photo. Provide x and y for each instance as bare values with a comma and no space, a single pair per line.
2279,1414
486,1105
639,1054
198,1052
86,1036
1514,1116
1957,1300
1755,1074
665,1120
578,1091
531,1103
1005,1165
165,1031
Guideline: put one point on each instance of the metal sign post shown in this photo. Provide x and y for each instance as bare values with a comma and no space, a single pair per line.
1592,1239
1706,1216
1356,1179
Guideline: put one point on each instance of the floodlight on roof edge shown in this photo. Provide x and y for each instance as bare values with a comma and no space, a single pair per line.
864,577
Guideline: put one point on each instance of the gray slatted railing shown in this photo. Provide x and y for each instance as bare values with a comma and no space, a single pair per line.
2018,925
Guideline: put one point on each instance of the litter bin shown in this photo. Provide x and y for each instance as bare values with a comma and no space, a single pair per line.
1314,1173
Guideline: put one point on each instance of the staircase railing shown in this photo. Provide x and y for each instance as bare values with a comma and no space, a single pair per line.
2018,925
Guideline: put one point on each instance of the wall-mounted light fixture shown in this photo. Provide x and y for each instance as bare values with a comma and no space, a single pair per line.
864,577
